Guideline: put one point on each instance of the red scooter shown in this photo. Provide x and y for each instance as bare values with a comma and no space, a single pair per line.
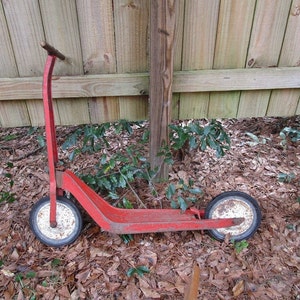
56,221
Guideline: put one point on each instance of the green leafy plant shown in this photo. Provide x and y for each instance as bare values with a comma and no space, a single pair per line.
9,137
256,140
196,136
240,246
289,133
127,238
140,271
182,194
117,171
24,280
56,262
6,195
286,178
93,137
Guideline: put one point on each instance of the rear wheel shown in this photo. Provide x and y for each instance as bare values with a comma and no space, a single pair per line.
68,217
234,204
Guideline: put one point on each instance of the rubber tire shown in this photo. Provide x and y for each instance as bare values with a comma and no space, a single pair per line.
249,201
43,236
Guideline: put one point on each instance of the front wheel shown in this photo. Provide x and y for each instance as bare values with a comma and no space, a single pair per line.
68,218
234,204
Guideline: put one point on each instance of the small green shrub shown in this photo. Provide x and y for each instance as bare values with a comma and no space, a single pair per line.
24,280
140,271
289,133
240,246
118,170
6,195
256,140
196,136
127,238
286,178
183,194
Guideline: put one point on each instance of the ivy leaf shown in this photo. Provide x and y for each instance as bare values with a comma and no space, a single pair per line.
182,204
41,141
195,191
171,191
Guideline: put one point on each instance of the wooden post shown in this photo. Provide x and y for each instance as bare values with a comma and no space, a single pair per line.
162,28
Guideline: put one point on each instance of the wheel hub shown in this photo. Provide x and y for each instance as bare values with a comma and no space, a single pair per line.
65,222
234,208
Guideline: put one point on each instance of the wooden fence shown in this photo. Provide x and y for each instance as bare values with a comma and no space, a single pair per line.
232,58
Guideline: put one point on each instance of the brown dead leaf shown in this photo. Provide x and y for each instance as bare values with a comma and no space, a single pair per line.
7,273
64,292
46,273
148,257
150,293
239,288
165,285
132,292
9,292
83,275
95,251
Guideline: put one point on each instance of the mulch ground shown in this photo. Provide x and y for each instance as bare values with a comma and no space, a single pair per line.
95,266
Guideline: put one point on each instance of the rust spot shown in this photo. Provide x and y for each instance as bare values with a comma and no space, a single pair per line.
238,221
223,208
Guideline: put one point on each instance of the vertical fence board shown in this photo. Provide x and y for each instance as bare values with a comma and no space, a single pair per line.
96,27
61,29
200,27
298,108
264,50
8,68
235,22
131,31
179,20
289,58
104,109
284,101
26,31
14,114
36,112
253,104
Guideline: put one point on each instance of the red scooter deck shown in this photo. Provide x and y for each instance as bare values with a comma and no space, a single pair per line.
119,220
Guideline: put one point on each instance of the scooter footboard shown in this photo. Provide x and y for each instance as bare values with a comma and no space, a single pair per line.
122,221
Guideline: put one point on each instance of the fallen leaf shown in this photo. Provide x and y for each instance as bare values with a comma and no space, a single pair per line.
239,288
7,273
150,293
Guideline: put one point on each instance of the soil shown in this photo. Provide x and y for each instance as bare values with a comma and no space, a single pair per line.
181,265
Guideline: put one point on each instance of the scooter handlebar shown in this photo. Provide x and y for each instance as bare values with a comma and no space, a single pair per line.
52,51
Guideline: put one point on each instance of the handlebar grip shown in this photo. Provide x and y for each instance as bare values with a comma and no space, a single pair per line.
52,51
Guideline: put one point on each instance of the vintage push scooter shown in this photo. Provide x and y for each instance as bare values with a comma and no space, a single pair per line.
56,221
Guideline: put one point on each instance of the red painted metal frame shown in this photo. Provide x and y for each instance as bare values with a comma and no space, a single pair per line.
50,135
108,217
